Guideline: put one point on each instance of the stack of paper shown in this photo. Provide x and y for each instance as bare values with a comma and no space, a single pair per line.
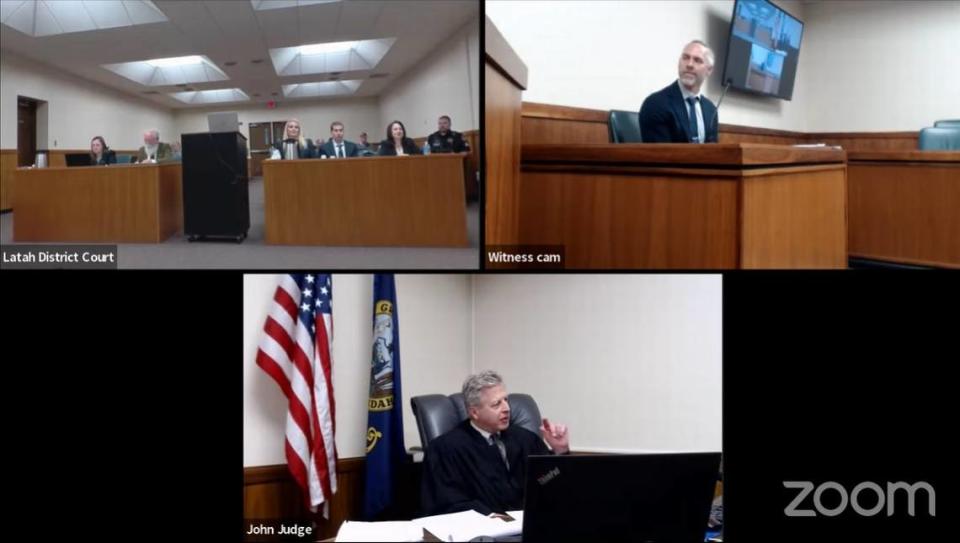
379,531
467,525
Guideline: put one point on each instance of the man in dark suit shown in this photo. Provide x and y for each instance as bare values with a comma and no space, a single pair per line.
679,113
336,146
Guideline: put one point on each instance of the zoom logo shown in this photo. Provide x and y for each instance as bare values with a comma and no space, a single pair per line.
875,504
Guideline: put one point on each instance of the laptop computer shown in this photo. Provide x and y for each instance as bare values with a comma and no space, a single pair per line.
228,121
653,498
78,159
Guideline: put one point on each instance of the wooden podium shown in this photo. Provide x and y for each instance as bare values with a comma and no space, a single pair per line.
120,203
682,206
376,201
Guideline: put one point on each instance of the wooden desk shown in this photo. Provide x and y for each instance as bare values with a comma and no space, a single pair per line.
905,206
506,78
686,206
401,201
120,203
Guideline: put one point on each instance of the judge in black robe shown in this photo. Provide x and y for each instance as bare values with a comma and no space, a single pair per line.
464,469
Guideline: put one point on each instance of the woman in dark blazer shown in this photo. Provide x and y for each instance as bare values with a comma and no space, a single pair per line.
100,154
397,142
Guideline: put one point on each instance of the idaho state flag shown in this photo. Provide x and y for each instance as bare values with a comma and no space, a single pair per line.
385,450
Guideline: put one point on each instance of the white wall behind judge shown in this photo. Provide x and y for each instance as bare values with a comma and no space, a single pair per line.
435,332
629,363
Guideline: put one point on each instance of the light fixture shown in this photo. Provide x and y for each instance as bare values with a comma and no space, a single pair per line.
325,58
175,61
333,47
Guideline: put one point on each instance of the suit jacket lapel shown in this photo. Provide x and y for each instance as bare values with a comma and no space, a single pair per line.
680,110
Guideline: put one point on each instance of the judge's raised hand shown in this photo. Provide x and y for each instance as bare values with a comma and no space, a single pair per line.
555,436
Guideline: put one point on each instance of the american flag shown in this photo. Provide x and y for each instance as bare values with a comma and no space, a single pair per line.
295,350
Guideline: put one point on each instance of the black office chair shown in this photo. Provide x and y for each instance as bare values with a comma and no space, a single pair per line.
940,139
437,414
947,123
624,126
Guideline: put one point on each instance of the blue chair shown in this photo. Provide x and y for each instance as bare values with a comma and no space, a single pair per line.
123,159
949,123
624,127
940,139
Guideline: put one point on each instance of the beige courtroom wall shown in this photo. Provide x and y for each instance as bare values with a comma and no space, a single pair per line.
77,109
446,82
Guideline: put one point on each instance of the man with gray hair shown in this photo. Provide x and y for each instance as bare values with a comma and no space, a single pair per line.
481,463
678,113
153,150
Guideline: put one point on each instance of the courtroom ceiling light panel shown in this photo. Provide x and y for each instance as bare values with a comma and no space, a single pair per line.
321,88
322,58
258,47
261,5
51,17
213,96
169,71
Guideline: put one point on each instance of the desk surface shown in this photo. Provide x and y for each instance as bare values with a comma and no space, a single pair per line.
713,155
904,156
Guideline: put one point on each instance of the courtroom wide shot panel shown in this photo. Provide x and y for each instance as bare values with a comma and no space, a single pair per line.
251,134
738,134
383,407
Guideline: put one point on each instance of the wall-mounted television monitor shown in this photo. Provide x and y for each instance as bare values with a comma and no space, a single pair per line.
763,49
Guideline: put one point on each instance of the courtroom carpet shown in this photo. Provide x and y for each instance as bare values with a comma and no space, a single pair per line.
253,253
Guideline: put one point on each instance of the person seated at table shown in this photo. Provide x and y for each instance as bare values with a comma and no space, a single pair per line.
153,149
293,133
397,142
100,154
445,140
336,146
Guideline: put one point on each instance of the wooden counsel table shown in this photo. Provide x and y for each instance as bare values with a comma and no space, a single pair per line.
392,201
120,203
905,206
686,206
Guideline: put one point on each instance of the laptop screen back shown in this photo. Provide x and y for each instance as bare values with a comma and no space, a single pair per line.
634,497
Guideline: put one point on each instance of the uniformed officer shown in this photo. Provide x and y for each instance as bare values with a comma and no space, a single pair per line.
445,140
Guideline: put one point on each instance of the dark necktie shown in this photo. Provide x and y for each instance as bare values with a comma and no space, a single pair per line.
495,440
340,151
692,114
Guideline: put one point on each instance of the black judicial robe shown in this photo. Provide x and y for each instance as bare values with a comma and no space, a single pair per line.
462,471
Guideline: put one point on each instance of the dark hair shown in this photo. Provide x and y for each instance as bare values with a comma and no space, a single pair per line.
103,145
390,127
335,123
447,117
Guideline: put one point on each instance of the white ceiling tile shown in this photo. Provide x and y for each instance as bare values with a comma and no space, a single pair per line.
21,19
7,7
143,12
72,16
108,13
44,22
